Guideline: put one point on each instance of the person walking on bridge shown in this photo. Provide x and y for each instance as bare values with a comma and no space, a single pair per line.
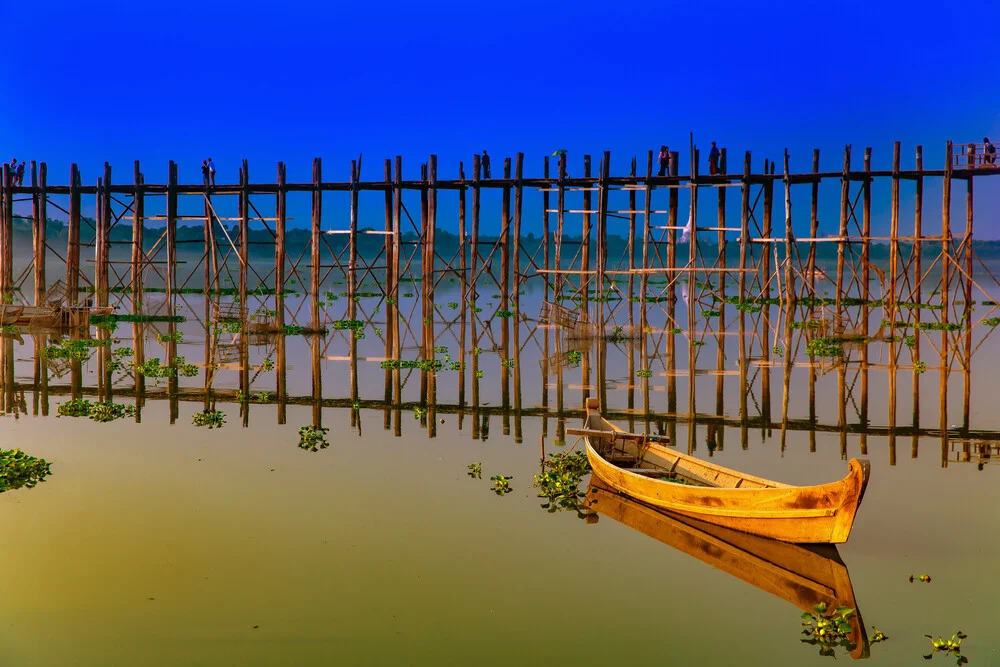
664,159
211,171
990,152
713,161
486,166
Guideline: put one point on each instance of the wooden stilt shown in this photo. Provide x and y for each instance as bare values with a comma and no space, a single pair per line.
172,234
918,274
546,238
845,190
41,229
279,234
315,273
245,235
73,237
138,227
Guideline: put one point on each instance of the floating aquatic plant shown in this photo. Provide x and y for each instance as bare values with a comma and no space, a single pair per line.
313,438
828,630
878,636
20,470
559,482
177,337
476,470
923,578
644,373
501,484
210,418
952,646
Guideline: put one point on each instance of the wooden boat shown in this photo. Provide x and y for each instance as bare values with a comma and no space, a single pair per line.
655,474
804,576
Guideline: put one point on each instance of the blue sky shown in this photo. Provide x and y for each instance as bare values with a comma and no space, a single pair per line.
119,81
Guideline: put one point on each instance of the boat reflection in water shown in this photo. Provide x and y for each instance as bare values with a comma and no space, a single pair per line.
804,575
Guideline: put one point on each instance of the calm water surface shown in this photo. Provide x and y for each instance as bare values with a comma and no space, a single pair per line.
161,543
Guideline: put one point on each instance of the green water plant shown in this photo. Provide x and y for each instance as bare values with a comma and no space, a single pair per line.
313,438
559,481
644,373
923,578
919,367
476,470
828,629
878,636
210,418
177,337
501,484
20,470
109,412
951,646
992,322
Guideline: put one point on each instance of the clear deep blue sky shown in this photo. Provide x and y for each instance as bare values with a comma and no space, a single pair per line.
117,81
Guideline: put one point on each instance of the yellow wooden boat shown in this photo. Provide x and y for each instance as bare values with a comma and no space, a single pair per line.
805,576
659,476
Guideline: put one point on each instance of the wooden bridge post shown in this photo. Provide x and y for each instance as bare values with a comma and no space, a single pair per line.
462,239
505,238
138,224
889,300
918,211
845,193
866,232
546,240
630,245
813,225
967,311
104,240
474,249
516,249
585,248
315,272
790,248
171,228
281,207
721,224
41,229
394,289
560,217
352,266
945,291
211,256
245,235
602,240
73,238
647,208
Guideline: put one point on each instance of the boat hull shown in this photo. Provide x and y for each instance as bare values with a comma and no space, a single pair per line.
800,514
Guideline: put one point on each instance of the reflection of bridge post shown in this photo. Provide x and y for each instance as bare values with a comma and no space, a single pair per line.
474,333
7,363
210,369
316,348
517,373
174,379
139,357
546,372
